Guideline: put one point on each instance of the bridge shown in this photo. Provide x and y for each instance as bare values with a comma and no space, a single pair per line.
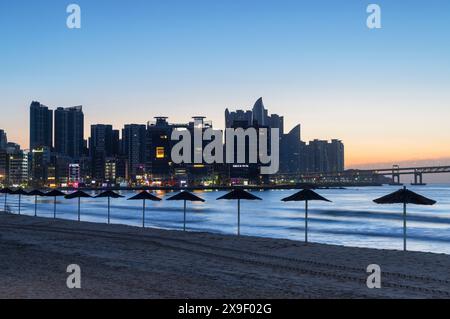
379,176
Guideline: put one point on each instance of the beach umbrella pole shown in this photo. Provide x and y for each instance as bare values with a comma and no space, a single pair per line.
306,221
109,209
35,206
19,202
79,212
143,214
184,225
54,208
404,226
6,196
239,217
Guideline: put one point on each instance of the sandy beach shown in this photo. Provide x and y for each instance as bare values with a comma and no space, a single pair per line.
128,262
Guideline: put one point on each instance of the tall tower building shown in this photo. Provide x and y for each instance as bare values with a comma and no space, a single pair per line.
259,113
3,140
101,140
100,147
41,126
134,138
69,131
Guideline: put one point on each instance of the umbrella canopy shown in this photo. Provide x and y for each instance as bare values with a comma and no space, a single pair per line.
404,196
186,196
55,193
239,194
144,195
305,195
109,195
19,192
79,195
5,191
35,193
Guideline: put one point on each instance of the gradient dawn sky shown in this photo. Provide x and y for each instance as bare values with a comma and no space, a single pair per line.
385,93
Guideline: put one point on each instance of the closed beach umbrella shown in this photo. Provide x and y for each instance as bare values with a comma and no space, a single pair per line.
79,195
404,196
35,193
305,195
144,195
55,193
21,193
109,195
186,196
239,194
5,191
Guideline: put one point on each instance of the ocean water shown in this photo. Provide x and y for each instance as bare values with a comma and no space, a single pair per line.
352,219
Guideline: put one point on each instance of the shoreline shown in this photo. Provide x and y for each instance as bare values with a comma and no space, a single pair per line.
119,261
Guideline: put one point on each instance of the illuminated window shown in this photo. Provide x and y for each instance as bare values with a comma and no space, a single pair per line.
160,152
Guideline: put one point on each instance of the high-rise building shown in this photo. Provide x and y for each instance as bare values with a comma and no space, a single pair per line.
336,156
100,147
257,116
290,151
3,140
260,113
239,115
40,163
276,121
317,157
323,156
134,139
74,176
18,168
159,147
69,131
3,167
116,143
101,139
41,126
110,170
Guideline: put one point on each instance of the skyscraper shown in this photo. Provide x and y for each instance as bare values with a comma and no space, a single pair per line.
40,166
134,139
239,115
159,147
100,147
336,156
41,126
290,151
260,113
101,139
69,131
3,140
323,156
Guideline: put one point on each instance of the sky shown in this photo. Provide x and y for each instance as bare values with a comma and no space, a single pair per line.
384,92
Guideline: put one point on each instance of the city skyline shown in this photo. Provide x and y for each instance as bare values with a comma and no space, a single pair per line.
253,149
317,64
24,142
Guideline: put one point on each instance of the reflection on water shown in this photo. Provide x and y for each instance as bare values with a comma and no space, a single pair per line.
352,219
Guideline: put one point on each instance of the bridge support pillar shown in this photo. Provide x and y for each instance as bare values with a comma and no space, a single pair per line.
418,178
396,178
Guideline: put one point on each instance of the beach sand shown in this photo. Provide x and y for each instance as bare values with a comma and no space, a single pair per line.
128,262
